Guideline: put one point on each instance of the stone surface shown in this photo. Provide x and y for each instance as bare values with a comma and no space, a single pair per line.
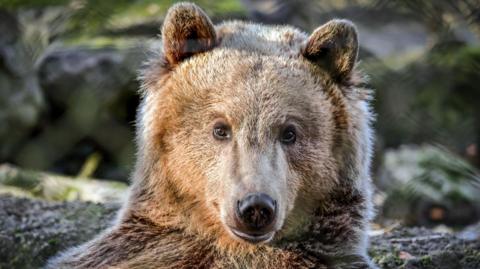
31,231
420,248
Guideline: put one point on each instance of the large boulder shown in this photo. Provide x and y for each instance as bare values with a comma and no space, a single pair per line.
33,230
104,71
21,100
91,94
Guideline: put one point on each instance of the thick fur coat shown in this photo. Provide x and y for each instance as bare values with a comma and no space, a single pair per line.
258,81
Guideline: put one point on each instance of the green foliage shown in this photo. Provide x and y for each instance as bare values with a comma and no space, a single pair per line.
439,15
93,17
430,178
14,4
433,98
434,173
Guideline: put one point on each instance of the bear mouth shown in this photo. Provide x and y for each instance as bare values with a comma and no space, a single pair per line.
253,238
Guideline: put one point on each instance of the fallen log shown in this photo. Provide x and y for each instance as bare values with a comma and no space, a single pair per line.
49,186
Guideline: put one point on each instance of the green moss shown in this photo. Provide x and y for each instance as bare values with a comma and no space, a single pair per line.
426,261
386,259
15,191
91,211
471,257
53,241
389,258
26,180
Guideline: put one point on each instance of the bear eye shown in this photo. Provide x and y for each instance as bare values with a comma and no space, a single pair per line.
221,131
289,135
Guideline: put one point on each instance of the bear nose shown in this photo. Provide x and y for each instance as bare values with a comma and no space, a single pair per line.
257,210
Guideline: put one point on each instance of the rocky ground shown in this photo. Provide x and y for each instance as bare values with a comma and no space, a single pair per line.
420,248
31,231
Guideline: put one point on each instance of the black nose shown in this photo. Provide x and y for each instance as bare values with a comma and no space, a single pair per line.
257,210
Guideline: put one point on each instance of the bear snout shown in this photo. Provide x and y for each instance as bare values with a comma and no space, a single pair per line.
256,211
255,216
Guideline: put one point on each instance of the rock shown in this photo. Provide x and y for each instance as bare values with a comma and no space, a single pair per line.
91,94
21,100
106,72
421,248
31,231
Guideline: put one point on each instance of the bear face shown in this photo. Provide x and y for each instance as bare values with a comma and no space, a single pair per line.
240,124
277,132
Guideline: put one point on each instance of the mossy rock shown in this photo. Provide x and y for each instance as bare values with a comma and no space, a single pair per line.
31,231
421,248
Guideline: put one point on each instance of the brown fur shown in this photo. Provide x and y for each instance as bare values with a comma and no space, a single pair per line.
257,78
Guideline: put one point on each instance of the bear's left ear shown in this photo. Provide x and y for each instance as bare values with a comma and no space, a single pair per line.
187,30
334,46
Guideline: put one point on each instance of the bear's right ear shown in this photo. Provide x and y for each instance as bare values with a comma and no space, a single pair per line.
187,30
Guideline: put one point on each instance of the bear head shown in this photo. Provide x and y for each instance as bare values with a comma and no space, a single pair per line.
245,129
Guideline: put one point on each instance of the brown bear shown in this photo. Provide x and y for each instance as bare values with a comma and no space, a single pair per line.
253,152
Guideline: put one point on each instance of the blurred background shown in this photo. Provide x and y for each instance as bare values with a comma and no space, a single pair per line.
68,95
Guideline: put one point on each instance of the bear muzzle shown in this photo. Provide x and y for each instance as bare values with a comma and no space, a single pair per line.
255,217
